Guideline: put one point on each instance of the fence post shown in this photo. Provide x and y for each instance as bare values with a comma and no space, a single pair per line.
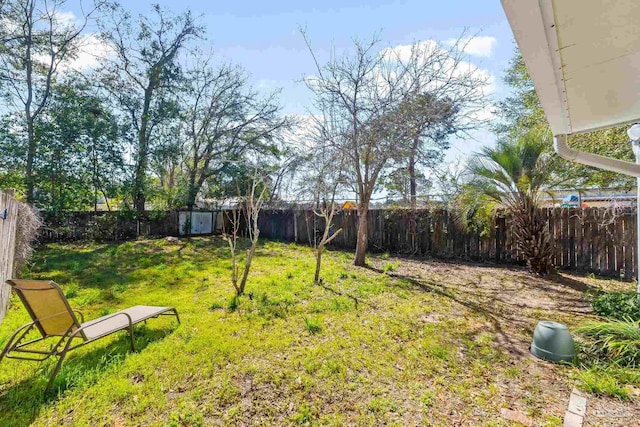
500,232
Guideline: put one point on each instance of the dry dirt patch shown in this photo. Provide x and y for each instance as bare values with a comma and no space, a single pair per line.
512,301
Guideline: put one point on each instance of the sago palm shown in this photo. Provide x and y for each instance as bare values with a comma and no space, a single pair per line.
512,176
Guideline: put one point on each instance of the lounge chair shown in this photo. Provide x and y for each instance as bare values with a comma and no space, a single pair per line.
53,317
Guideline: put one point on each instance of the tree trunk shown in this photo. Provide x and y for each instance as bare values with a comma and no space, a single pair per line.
361,245
139,183
192,189
316,278
139,199
31,155
31,138
532,237
247,266
412,173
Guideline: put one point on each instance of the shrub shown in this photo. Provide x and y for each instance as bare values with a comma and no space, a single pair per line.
617,305
616,341
71,291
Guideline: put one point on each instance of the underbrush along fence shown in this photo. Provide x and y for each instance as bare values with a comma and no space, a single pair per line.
598,240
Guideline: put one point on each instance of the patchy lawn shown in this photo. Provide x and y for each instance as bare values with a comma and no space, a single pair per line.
404,342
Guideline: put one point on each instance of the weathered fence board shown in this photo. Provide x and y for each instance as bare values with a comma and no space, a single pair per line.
598,240
8,223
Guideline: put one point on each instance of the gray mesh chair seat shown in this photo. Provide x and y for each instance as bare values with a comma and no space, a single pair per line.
52,316
106,325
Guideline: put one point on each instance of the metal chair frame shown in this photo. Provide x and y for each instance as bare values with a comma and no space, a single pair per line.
64,344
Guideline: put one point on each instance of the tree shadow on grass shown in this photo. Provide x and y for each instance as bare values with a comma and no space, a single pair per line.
511,267
115,264
505,341
505,303
21,403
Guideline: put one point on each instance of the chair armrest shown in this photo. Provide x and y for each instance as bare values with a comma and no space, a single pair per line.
26,325
79,313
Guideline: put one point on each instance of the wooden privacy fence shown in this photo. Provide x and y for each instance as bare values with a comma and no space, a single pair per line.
8,224
106,226
598,240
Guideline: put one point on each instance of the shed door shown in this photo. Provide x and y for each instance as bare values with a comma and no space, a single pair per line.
206,222
195,222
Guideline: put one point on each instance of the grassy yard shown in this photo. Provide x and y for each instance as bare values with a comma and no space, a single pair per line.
404,342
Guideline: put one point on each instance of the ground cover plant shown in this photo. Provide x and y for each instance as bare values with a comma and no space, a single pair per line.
617,305
422,343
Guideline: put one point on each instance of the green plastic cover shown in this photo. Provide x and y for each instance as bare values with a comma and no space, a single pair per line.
553,342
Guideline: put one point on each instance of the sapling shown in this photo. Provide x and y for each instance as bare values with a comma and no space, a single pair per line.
327,211
251,204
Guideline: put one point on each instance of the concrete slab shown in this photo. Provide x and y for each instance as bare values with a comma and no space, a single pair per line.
572,420
577,405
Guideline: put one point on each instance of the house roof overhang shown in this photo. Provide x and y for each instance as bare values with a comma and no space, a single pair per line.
583,58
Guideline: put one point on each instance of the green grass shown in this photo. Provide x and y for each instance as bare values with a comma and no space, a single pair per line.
286,353
604,381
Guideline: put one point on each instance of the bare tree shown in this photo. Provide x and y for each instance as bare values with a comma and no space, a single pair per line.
225,119
328,209
144,76
373,101
322,180
446,96
231,237
349,93
36,38
251,204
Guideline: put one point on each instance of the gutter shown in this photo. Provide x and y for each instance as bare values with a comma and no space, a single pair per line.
606,163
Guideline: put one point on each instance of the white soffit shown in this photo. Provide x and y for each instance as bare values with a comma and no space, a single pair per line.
583,57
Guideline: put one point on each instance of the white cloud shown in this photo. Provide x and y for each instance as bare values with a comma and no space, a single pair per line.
65,18
476,46
90,52
403,52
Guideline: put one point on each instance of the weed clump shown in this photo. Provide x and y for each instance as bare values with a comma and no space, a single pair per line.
313,326
233,304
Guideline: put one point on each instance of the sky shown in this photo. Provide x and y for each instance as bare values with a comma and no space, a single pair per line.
263,37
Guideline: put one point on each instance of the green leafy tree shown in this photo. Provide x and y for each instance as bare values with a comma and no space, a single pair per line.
80,160
144,78
35,42
225,120
512,176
